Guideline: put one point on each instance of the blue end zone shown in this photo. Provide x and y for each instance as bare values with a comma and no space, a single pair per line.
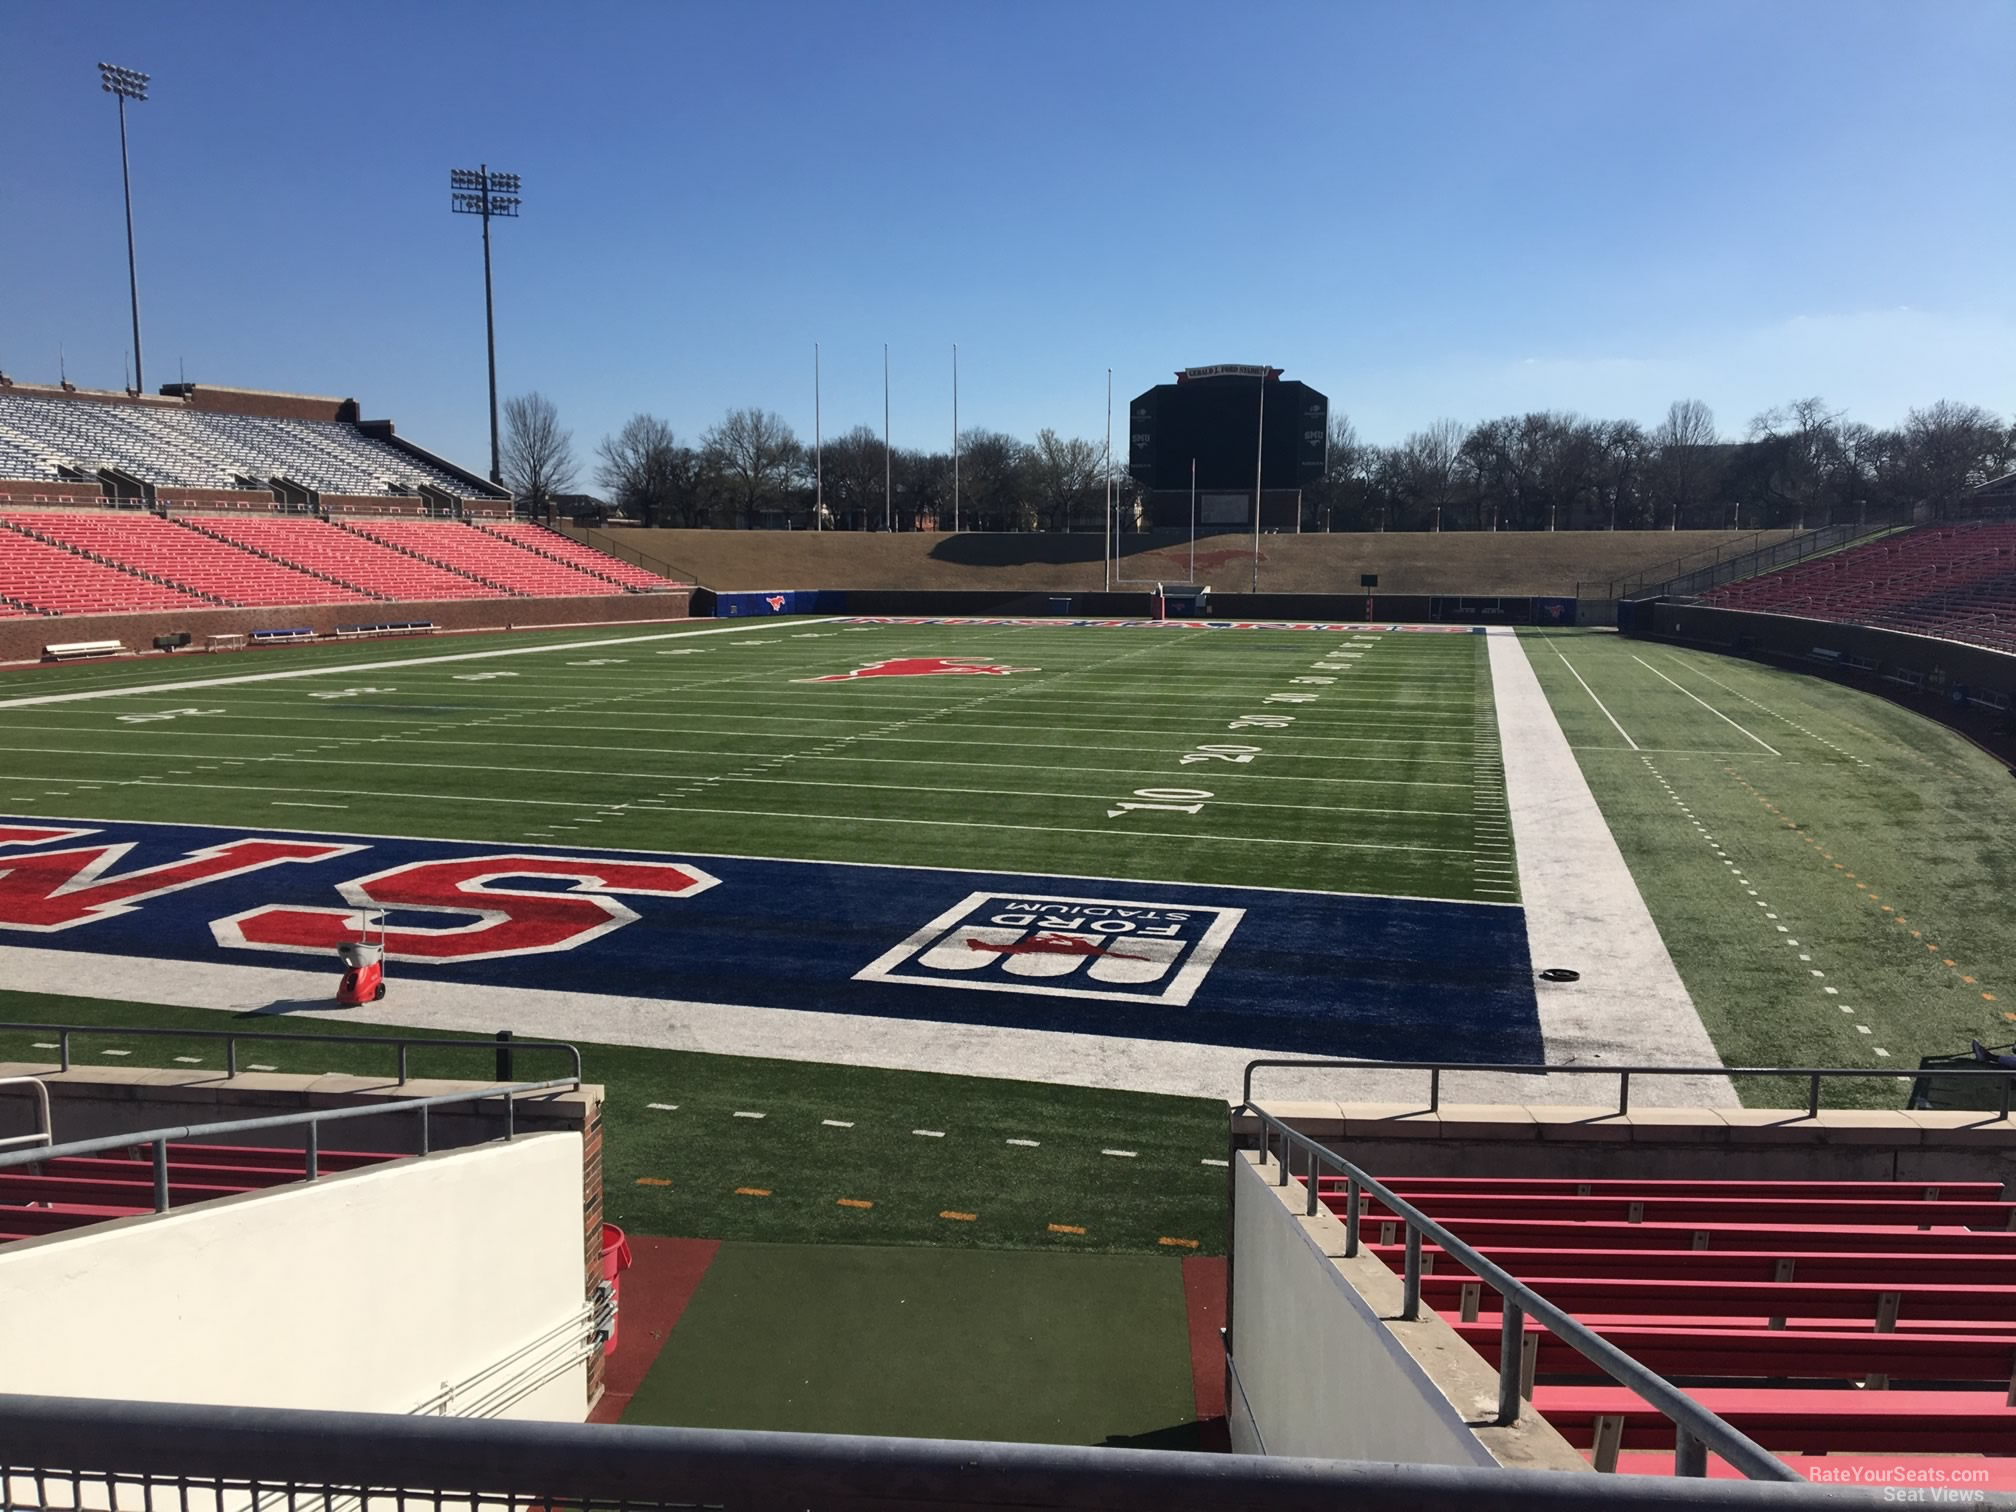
1314,973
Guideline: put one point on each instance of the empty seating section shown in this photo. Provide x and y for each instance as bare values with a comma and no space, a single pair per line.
566,549
169,550
203,449
49,579
1817,1317
74,1192
1956,581
347,556
467,549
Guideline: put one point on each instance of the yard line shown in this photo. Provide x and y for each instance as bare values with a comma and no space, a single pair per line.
1048,829
904,787
1703,702
1592,695
702,855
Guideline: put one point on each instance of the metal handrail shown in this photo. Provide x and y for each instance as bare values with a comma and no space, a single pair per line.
402,1043
164,1451
46,1134
1813,1074
312,1120
1697,1431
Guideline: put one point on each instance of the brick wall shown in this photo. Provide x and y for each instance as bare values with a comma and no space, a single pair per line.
372,504
43,491
210,500
23,640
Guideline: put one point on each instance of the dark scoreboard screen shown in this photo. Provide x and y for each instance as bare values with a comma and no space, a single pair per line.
1216,419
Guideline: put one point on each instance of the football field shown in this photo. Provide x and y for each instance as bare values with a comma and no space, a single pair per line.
1341,761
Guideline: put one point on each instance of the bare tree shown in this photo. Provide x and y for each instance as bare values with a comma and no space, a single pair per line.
1065,476
1686,459
993,479
647,473
757,455
1430,465
538,454
1954,447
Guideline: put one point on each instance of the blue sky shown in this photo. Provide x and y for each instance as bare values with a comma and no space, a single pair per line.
1424,210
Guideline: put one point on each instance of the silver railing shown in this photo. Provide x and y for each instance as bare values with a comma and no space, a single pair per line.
1812,1075
168,1457
1697,1431
310,1121
45,1129
400,1044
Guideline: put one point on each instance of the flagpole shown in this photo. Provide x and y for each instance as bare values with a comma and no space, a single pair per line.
1193,521
1259,458
955,437
1110,551
818,448
888,492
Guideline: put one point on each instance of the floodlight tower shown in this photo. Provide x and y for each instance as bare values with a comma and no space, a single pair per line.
478,191
125,84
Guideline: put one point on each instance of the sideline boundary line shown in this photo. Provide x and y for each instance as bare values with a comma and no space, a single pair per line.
383,666
1592,695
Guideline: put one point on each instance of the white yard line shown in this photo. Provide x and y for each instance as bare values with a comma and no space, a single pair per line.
1584,911
1592,695
1704,704
348,667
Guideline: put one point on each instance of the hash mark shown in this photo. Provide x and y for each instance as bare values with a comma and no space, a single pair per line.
1123,1154
836,1123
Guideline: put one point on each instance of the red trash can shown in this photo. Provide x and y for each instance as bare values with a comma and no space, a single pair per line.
615,1260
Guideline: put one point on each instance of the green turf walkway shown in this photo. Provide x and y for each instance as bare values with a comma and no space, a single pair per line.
1063,1349
1831,873
691,1168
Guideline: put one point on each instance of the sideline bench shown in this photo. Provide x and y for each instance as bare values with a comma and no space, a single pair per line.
390,627
231,642
76,650
282,637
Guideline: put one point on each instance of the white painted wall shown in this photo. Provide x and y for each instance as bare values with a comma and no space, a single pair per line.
1317,1372
365,1291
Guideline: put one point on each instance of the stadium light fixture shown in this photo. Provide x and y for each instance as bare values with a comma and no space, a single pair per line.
125,84
478,191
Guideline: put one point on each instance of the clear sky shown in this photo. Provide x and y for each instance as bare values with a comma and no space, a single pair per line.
1425,210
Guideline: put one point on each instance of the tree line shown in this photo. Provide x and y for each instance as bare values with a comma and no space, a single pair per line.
1798,465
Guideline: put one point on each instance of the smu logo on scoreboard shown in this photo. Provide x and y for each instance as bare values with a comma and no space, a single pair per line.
1068,947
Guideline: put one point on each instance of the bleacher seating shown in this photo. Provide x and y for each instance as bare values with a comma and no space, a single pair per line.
347,556
51,579
188,558
75,1192
204,449
550,543
1956,581
480,553
1815,1316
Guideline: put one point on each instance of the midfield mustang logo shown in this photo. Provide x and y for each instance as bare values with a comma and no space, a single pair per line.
924,666
1064,947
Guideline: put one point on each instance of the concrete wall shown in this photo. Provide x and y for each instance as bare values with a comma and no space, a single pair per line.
1315,1371
1659,1144
23,639
366,1291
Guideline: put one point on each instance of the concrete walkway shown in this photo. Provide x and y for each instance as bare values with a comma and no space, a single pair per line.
1584,912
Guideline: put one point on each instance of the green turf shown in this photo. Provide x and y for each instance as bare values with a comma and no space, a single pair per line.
1361,777
706,1153
1071,1349
1877,839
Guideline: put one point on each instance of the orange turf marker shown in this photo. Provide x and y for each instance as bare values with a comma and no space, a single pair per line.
752,1191
855,1202
1177,1243
1065,1228
652,1181
1987,997
960,1217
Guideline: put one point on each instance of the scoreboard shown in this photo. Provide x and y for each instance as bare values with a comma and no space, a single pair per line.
1212,415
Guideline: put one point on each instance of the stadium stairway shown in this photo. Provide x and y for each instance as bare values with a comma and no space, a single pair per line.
75,1192
1833,1318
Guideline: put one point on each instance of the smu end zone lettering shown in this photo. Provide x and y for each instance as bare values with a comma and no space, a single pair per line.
491,921
52,890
